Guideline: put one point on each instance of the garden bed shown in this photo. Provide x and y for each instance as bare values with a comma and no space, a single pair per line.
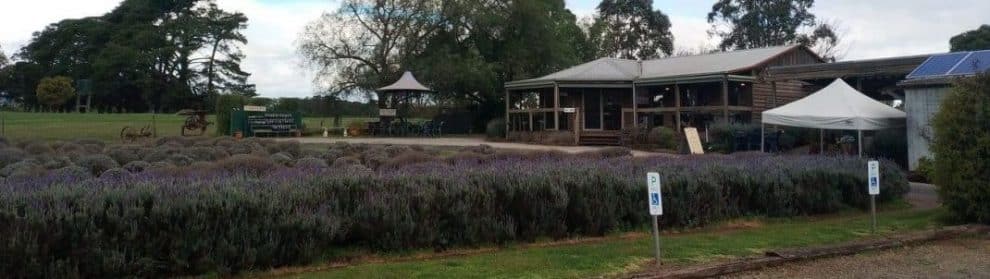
220,205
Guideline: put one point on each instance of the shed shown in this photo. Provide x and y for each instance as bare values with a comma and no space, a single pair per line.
924,90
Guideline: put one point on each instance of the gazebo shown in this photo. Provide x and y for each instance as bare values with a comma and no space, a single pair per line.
396,96
836,107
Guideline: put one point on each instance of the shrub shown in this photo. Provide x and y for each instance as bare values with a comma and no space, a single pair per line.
961,149
71,173
56,162
97,163
291,147
10,155
495,129
38,148
408,158
310,163
180,160
22,169
224,104
722,136
228,223
925,171
124,155
663,137
248,165
115,173
281,158
137,166
608,152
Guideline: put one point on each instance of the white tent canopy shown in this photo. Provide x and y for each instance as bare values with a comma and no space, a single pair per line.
407,83
837,107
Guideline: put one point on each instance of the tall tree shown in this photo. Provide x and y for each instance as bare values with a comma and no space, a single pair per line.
222,66
3,58
631,29
977,39
744,24
162,54
363,44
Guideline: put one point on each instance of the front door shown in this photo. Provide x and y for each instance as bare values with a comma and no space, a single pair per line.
612,111
592,109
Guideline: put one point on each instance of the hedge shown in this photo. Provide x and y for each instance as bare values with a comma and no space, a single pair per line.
155,224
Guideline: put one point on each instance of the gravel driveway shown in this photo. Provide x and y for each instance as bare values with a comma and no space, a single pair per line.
465,141
954,258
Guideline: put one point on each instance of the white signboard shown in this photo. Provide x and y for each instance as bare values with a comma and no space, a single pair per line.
873,169
656,200
386,112
570,110
255,108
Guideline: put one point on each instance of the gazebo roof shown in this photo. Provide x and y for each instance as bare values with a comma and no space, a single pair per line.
407,83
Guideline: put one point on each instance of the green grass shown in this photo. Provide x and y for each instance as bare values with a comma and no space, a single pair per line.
67,126
617,255
63,126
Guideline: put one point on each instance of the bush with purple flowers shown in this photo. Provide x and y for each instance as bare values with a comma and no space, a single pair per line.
247,212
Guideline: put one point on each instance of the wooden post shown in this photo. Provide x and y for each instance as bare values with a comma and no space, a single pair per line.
725,98
530,120
508,120
634,107
677,106
556,107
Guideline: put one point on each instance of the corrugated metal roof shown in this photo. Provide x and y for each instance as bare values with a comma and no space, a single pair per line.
611,69
722,62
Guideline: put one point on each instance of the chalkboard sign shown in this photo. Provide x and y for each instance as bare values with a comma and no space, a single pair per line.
265,124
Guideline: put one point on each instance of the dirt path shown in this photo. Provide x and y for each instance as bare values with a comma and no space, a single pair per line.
922,196
954,258
466,141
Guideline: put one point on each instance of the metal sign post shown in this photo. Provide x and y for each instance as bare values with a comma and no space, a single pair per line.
656,208
873,171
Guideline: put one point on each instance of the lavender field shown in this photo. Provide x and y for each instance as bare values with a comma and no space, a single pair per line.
195,206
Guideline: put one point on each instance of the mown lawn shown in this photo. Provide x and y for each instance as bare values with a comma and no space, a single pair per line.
67,126
618,255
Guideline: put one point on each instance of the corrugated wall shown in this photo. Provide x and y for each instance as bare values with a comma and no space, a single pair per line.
921,104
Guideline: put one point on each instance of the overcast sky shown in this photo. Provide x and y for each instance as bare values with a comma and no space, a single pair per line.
873,29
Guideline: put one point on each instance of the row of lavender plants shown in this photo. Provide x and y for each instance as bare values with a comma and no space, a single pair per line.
246,213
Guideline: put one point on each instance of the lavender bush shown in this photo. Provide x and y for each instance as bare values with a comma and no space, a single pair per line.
247,212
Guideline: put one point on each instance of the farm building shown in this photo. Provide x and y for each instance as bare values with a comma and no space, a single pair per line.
924,90
592,102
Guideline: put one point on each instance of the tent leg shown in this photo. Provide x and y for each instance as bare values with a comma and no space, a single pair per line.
860,143
821,142
763,137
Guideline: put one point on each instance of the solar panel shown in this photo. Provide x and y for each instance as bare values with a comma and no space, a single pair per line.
937,65
977,62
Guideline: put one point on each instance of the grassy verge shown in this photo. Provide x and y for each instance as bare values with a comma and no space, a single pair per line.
629,252
107,126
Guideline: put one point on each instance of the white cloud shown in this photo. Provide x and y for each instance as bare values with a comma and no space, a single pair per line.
883,28
20,19
273,29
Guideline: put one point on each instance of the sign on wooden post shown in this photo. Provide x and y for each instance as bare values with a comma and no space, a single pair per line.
873,181
655,200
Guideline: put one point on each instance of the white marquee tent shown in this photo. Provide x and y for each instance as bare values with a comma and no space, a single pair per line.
836,107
